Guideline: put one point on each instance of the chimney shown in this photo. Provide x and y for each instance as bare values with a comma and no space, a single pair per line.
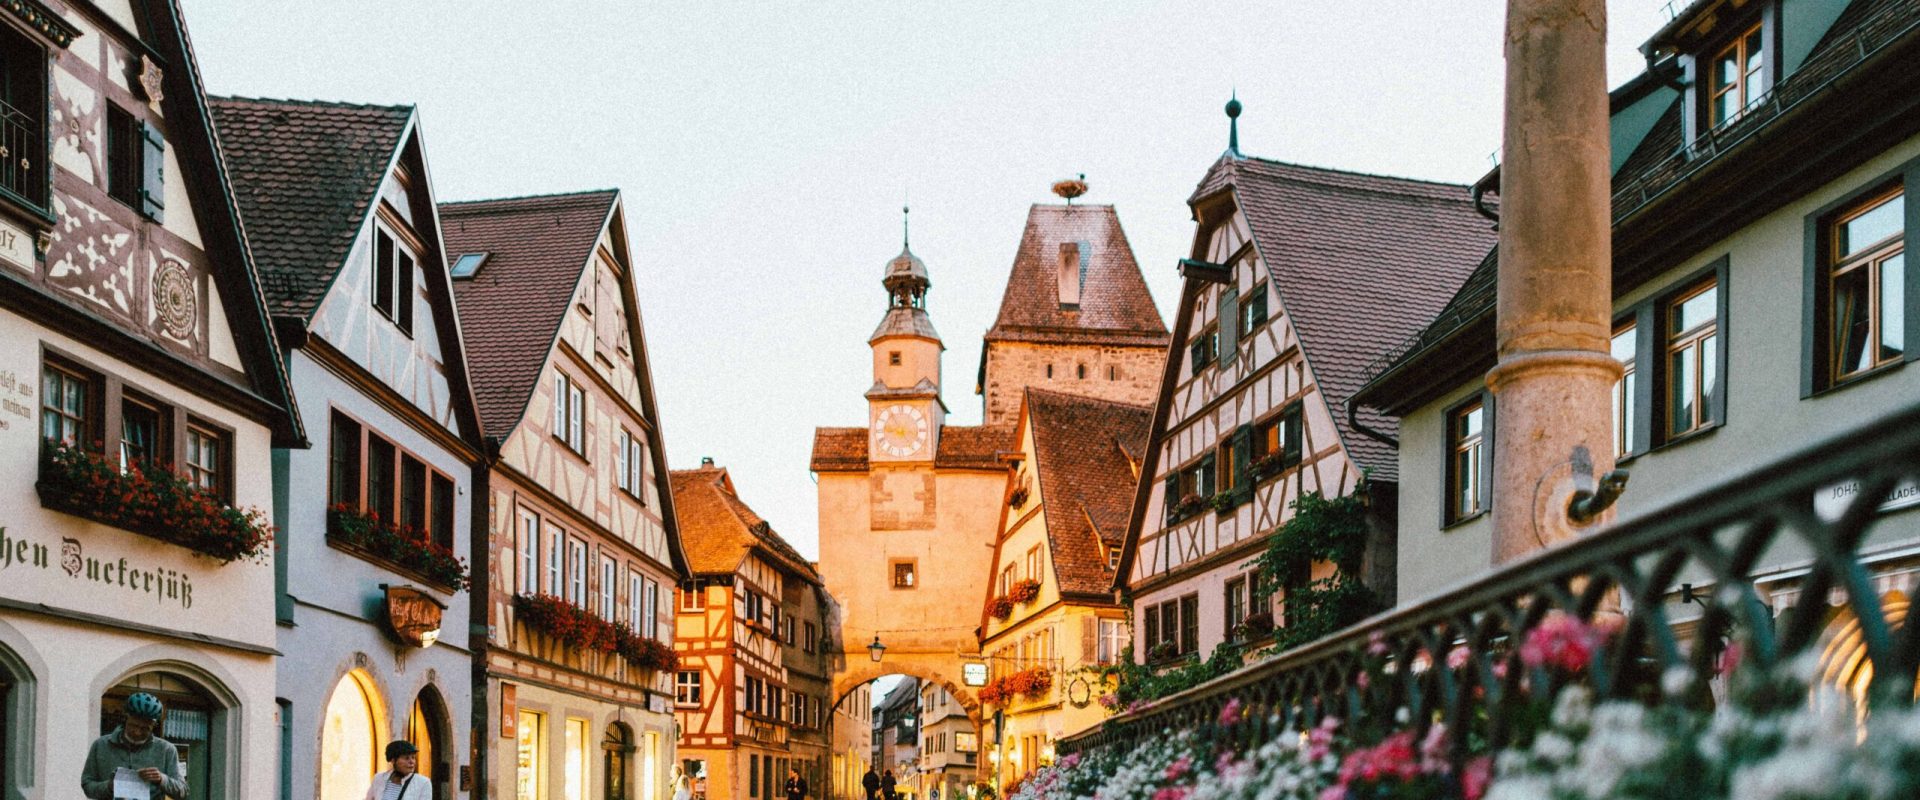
1071,274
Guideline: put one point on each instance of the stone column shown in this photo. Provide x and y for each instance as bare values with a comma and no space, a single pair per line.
1551,385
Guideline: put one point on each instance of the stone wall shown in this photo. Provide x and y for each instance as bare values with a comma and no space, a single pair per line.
1124,374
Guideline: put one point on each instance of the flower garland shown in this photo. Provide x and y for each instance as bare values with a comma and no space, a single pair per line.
579,628
405,545
150,501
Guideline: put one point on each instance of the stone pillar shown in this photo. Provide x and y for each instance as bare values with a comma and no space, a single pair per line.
1551,385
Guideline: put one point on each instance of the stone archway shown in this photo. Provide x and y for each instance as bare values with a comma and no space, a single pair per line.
854,676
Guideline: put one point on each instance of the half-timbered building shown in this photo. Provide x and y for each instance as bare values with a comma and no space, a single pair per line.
582,545
139,381
746,717
1050,610
1298,277
342,220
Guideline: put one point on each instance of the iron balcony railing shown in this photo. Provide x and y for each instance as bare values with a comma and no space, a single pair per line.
20,146
1767,519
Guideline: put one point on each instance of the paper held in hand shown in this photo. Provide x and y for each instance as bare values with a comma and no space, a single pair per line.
127,785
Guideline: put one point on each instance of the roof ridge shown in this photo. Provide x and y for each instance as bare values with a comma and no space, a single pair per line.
1088,399
327,104
535,196
1354,172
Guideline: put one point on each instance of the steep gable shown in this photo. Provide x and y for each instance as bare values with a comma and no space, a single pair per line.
1110,306
1086,459
721,529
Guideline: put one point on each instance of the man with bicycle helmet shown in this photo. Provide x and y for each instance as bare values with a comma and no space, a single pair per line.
134,746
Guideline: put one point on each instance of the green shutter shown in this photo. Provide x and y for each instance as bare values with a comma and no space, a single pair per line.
1172,495
1257,305
1229,324
1290,428
153,183
1206,475
1242,457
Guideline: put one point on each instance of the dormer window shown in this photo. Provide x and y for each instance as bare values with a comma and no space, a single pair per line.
1737,76
466,265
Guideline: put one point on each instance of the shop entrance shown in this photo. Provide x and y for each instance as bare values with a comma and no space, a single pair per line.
616,749
424,729
187,724
351,738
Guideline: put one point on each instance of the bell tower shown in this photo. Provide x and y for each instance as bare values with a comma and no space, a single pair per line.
904,409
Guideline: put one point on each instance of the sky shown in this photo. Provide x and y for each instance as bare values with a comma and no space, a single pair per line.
765,149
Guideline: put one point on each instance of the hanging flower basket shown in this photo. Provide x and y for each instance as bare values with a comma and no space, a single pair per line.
580,629
1000,607
1018,498
404,545
152,502
996,692
1025,591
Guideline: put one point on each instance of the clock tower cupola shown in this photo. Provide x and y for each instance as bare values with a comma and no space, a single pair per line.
904,408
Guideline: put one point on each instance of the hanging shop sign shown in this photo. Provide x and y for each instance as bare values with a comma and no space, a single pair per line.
509,711
413,616
973,674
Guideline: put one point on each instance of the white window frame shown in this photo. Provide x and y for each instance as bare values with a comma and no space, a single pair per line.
529,546
577,564
634,617
609,588
650,623
681,686
556,563
1113,644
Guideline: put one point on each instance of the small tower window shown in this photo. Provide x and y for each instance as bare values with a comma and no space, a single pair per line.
893,358
1049,370
1081,372
1113,372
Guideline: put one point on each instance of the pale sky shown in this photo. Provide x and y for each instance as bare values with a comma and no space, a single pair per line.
764,149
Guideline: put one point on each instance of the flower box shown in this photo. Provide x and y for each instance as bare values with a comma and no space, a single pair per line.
152,502
1267,466
1188,506
1000,607
403,546
1222,502
1257,626
1025,592
1031,682
1018,498
576,627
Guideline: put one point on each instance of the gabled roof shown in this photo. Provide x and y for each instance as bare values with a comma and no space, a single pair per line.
1086,458
511,309
720,530
305,174
968,447
1360,262
1115,306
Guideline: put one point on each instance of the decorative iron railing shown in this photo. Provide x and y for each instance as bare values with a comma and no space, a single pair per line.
20,146
1647,567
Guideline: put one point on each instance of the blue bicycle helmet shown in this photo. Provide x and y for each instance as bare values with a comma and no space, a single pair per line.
144,706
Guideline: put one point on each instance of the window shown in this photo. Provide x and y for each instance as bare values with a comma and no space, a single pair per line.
636,612
1466,462
1080,371
753,695
609,588
1113,558
467,264
66,402
123,156
529,754
649,610
893,358
1204,347
693,597
1625,349
1113,372
1175,622
1190,624
1866,279
577,777
1692,322
441,518
788,634
630,466
529,548
1277,442
568,402
1033,563
1739,76
686,687
1253,310
344,461
23,110
1236,604
206,458
903,577
1007,579
1232,463
750,606
413,493
143,434
554,565
1192,481
380,476
392,278
812,636
577,573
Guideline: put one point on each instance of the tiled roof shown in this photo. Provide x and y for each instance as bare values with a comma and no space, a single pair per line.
1115,306
968,447
511,309
1662,161
1085,457
719,529
1360,263
304,174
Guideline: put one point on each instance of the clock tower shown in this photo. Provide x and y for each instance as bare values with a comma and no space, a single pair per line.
904,412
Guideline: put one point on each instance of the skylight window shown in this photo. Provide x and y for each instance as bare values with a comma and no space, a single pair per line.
466,265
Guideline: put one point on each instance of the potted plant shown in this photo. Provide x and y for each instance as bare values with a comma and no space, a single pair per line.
1000,607
1222,502
1268,465
1258,625
1025,591
1163,651
1018,498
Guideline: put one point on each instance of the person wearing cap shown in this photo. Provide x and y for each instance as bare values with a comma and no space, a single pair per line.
403,782
133,746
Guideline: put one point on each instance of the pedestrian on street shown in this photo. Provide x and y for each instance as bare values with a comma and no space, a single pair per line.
871,782
403,781
796,786
133,746
887,784
682,785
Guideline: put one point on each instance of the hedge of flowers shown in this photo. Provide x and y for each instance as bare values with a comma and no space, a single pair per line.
579,628
1779,736
406,545
151,501
1030,682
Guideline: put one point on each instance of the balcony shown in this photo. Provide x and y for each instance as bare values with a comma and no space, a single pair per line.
23,164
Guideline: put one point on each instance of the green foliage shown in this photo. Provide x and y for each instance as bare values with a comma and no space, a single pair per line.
1138,682
1321,530
1322,607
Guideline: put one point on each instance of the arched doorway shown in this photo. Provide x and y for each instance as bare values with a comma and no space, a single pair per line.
351,736
616,750
1843,651
426,724
924,731
191,723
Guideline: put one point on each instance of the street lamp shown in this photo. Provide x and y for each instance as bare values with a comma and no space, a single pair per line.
876,650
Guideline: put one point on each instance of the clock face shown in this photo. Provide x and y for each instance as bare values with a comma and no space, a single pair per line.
899,431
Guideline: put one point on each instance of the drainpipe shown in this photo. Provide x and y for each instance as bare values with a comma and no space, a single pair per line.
1353,421
1553,429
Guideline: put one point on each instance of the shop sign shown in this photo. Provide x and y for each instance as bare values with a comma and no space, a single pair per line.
509,711
413,616
1832,501
165,586
973,674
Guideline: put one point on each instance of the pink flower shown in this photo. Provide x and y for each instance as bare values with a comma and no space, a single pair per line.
1232,711
1458,657
1433,750
1377,644
1561,642
1109,701
1180,768
1320,739
1730,659
1362,680
1172,793
1477,776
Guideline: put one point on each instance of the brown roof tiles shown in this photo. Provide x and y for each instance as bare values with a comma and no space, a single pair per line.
1085,459
719,529
1115,306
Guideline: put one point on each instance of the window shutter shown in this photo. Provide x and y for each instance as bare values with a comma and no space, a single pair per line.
153,178
1089,637
1153,626
1291,431
1242,458
1172,497
403,295
1190,624
1257,305
620,475
1206,475
1229,324
1196,353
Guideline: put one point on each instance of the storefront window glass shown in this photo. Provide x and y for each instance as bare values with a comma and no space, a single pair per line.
651,762
576,765
349,741
528,778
